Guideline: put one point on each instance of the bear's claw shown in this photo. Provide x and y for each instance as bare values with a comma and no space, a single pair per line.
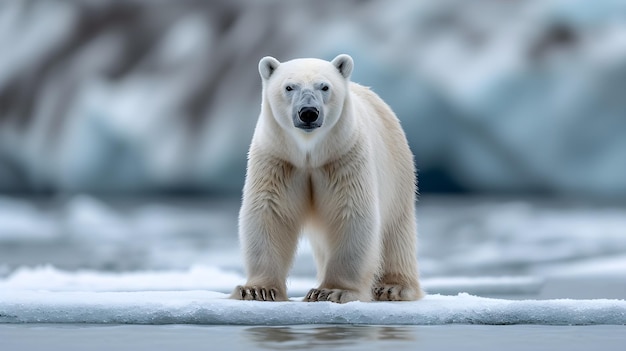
392,292
257,293
332,295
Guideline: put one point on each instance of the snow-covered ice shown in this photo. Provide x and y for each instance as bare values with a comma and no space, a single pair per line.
48,295
205,307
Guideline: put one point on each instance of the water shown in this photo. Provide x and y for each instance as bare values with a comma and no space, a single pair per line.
305,337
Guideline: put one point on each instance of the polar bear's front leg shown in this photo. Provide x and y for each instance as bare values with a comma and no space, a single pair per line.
346,207
353,261
269,226
269,244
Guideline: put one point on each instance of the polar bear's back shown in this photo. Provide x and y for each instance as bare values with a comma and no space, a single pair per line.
394,161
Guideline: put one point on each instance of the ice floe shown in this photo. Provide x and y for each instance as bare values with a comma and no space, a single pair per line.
206,307
49,295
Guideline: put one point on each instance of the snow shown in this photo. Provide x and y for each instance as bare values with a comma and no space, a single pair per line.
49,295
206,307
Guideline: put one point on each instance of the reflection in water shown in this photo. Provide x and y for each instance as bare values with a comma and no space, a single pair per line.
308,337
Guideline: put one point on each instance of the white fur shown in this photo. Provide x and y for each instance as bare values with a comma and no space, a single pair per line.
351,180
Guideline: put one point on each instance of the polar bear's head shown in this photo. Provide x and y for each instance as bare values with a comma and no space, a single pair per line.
306,94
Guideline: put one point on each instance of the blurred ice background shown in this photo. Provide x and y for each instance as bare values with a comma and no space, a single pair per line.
498,96
124,126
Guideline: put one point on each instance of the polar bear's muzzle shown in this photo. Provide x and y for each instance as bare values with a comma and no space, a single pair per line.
308,118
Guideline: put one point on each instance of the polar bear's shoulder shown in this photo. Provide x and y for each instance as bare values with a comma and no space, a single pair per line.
365,97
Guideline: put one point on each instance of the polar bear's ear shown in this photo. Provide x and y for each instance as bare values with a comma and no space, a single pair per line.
267,66
344,64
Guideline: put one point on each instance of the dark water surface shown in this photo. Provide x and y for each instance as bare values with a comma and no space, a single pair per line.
309,337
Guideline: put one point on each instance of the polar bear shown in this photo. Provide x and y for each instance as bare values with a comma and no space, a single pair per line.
328,155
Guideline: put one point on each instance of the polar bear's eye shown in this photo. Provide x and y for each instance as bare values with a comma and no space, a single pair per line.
288,88
325,88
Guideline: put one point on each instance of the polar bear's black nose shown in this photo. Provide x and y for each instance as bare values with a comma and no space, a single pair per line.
308,114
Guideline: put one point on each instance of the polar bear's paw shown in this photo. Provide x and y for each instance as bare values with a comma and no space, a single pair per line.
258,293
333,295
395,292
